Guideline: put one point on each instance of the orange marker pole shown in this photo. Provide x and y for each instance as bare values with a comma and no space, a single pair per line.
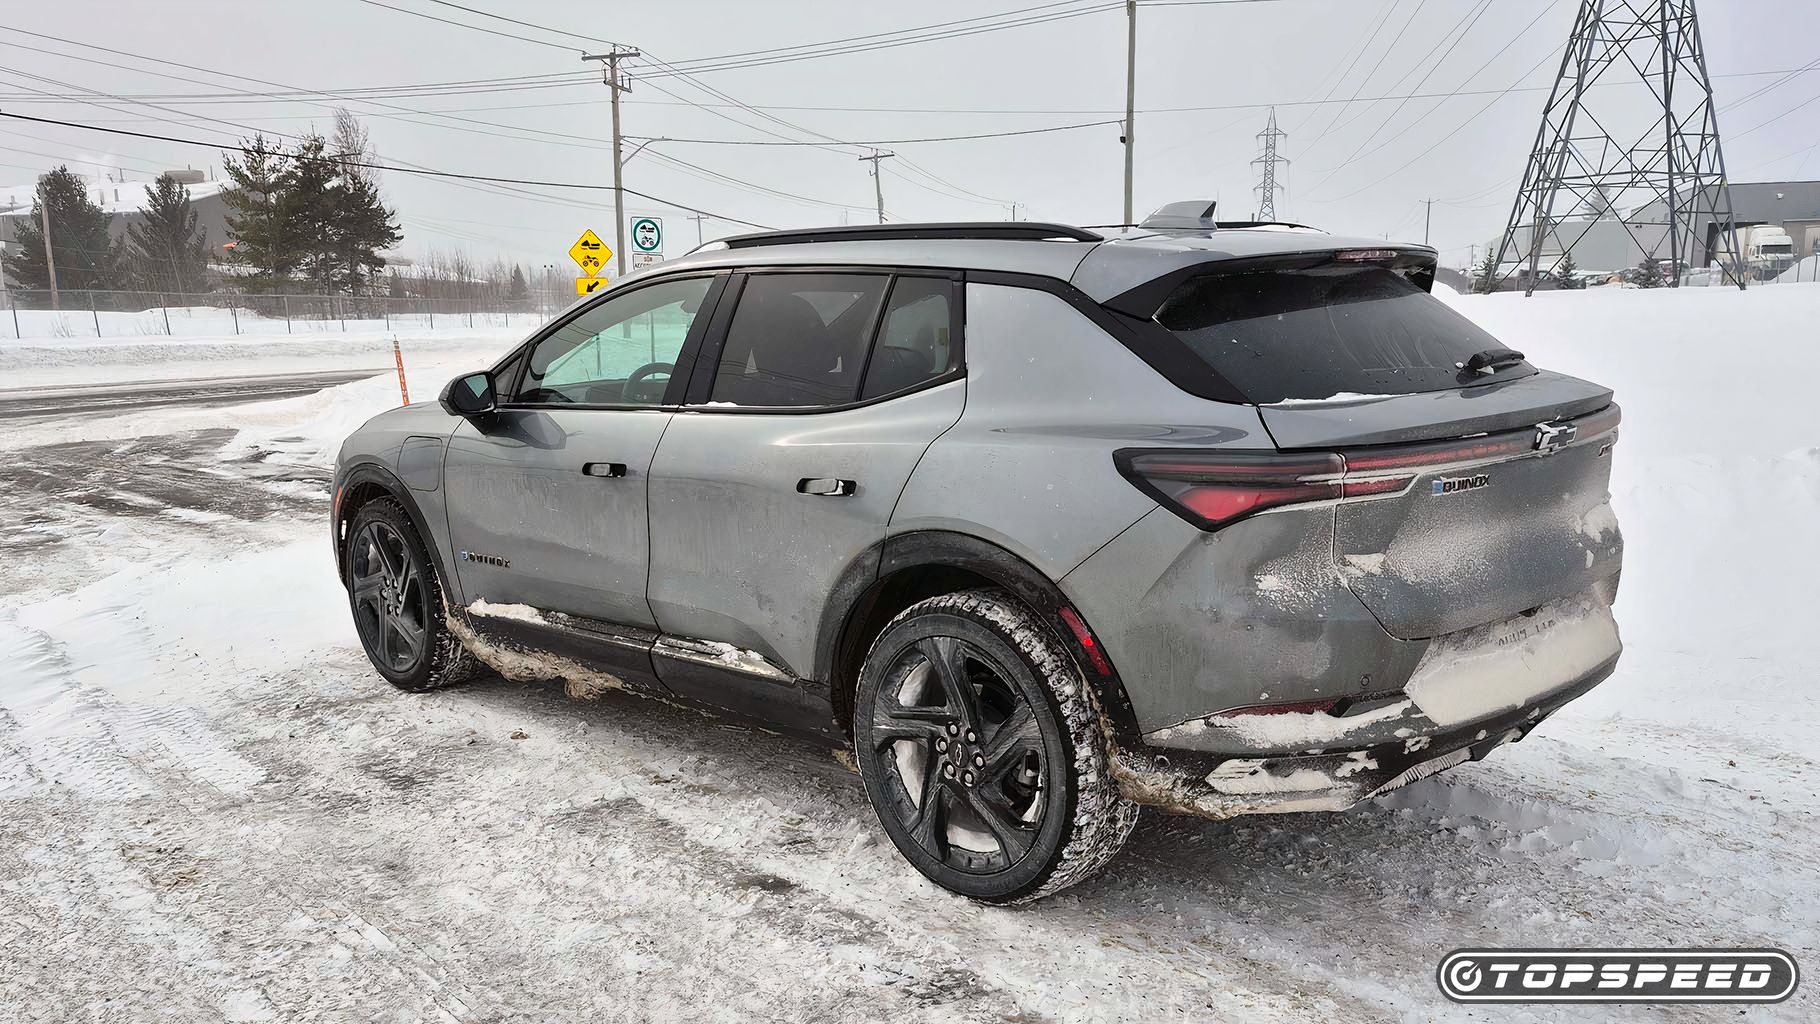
398,357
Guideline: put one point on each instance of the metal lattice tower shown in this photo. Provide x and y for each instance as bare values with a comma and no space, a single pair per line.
1653,166
1267,187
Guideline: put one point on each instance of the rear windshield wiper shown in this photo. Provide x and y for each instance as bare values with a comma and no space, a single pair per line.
1491,360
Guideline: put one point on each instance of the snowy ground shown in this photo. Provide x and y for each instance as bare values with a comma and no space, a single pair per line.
211,808
214,321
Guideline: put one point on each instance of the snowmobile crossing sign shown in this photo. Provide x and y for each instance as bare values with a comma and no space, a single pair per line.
590,253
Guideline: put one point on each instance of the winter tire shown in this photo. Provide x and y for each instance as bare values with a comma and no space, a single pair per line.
981,750
396,598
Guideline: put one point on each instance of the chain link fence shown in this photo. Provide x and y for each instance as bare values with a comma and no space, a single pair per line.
38,314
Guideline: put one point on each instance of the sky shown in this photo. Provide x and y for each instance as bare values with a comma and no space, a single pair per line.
1207,74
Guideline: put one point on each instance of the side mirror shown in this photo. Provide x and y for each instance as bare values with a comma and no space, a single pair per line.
469,396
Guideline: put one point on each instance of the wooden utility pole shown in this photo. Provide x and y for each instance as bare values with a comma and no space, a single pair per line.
50,261
1427,218
609,74
697,218
878,185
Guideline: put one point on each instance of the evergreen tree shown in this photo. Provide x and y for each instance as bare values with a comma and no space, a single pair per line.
364,226
1568,273
166,252
86,258
518,293
315,201
1648,274
314,213
262,214
1482,277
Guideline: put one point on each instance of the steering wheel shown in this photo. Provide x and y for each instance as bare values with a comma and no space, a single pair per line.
630,392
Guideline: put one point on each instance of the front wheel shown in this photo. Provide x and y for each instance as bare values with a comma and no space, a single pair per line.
397,602
980,749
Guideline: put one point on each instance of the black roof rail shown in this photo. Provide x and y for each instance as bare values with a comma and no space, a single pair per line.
1225,224
1022,230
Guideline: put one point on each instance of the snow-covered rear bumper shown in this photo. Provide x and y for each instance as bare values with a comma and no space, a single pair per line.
1222,786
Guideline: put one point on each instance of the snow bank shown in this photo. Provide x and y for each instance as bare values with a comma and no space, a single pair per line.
1716,484
39,362
179,322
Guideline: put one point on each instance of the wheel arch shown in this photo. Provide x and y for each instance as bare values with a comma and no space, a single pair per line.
366,482
910,567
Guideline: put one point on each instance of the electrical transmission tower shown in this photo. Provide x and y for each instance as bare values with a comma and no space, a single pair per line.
1267,187
1651,165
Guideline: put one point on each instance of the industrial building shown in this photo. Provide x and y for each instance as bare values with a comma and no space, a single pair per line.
122,201
1609,245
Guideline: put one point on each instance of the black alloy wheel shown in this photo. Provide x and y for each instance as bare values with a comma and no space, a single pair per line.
982,751
966,752
391,600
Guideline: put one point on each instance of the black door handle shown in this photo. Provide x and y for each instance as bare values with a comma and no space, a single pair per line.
827,487
606,469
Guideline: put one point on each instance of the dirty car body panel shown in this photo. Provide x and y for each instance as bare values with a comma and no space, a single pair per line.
1308,548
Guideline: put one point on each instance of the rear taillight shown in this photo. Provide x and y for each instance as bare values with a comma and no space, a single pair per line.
1212,489
1602,422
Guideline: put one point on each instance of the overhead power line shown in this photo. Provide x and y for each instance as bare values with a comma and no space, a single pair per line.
1017,18
888,142
425,171
571,139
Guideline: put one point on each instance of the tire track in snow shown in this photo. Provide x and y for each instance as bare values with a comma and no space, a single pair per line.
1070,957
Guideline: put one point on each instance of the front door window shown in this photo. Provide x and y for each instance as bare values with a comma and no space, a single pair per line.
621,352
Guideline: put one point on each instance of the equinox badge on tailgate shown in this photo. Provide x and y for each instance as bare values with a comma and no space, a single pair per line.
1456,484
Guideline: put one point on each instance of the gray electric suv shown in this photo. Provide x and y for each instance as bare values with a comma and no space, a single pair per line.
1047,525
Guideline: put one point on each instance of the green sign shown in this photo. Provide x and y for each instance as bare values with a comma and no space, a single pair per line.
647,234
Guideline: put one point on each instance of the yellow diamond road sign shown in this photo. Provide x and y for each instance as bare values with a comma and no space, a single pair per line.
589,285
590,253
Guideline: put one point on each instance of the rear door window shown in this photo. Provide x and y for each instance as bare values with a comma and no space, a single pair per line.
1326,331
916,342
798,340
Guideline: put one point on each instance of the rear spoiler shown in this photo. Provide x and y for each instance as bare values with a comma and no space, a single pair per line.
1416,262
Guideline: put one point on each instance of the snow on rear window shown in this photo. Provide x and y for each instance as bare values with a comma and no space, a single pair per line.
1323,331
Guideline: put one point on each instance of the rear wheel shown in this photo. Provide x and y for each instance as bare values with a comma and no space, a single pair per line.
397,602
980,749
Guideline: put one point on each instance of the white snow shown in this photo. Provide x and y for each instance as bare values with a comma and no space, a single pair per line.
82,327
1476,673
211,806
517,612
1338,398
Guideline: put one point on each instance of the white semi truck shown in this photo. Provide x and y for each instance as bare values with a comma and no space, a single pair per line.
1765,248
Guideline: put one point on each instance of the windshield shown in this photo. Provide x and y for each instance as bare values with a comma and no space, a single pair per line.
1326,331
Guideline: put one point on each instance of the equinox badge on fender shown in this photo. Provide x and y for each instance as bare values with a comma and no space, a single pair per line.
1456,484
493,560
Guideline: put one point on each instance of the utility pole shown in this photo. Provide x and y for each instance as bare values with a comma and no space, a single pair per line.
1658,157
609,74
878,186
1267,187
698,218
1427,218
1130,138
50,261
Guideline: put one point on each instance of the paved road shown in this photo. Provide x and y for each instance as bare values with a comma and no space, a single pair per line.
125,396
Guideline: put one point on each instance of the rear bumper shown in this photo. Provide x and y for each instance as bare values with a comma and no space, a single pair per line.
1221,786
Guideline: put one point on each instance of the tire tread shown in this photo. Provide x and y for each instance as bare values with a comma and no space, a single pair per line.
1103,819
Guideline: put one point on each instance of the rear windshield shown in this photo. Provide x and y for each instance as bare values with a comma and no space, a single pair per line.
1325,331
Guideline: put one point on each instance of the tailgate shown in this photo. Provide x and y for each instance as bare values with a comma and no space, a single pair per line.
1441,536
